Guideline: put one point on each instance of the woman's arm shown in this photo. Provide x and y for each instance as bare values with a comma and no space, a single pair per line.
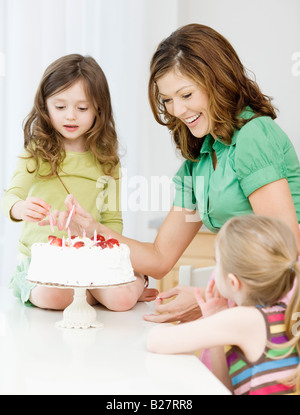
275,199
154,259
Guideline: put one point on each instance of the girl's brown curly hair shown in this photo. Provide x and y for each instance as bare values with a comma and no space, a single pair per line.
206,57
43,142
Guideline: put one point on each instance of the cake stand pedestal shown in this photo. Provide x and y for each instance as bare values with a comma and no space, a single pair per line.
79,314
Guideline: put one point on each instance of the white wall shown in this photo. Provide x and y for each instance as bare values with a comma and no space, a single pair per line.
122,36
266,36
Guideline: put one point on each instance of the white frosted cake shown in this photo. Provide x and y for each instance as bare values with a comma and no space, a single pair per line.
81,262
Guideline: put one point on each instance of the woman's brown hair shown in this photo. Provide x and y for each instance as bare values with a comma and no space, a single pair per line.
43,142
206,57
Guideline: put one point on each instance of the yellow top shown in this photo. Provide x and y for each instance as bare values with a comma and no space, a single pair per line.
82,176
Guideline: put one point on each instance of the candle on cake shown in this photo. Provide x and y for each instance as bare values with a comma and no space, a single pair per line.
69,236
51,221
70,216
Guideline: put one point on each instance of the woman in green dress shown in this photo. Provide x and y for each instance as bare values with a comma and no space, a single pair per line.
238,160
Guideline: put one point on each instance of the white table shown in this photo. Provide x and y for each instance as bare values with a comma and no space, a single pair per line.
38,358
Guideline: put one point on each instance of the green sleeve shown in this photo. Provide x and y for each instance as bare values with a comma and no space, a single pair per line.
184,190
19,185
259,156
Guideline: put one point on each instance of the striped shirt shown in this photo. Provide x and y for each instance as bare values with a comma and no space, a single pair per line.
264,376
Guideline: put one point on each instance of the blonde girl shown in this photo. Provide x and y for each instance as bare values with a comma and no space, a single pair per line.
256,266
70,146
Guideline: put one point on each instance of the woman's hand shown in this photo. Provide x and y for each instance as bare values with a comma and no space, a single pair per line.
183,307
212,302
33,209
80,221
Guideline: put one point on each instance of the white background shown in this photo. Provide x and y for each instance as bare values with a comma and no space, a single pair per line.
122,36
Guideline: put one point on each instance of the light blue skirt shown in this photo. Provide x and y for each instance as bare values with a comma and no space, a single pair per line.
18,283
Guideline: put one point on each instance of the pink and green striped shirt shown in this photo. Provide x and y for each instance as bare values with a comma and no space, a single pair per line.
264,377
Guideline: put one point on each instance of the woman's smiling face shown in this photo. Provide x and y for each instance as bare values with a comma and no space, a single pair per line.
186,100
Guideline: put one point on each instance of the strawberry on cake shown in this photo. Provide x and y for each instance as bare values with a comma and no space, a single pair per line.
80,262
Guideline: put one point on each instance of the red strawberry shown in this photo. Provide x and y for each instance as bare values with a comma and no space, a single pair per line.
111,242
99,238
102,244
51,237
78,244
73,237
56,242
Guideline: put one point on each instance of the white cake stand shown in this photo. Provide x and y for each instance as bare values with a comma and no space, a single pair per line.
79,314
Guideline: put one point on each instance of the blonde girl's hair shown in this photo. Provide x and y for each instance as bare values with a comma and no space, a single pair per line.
206,57
262,252
43,142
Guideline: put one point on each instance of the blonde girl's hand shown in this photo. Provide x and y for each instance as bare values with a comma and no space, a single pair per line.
213,301
33,209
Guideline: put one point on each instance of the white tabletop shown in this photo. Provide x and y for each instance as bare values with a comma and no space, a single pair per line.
36,357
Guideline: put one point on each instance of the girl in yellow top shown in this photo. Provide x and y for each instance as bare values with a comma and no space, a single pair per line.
70,146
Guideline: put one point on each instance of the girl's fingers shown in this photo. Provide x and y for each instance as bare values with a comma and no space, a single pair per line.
209,290
55,214
199,297
62,219
38,204
32,214
44,223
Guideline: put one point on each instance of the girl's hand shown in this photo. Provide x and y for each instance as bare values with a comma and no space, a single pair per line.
59,219
213,301
80,219
33,209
